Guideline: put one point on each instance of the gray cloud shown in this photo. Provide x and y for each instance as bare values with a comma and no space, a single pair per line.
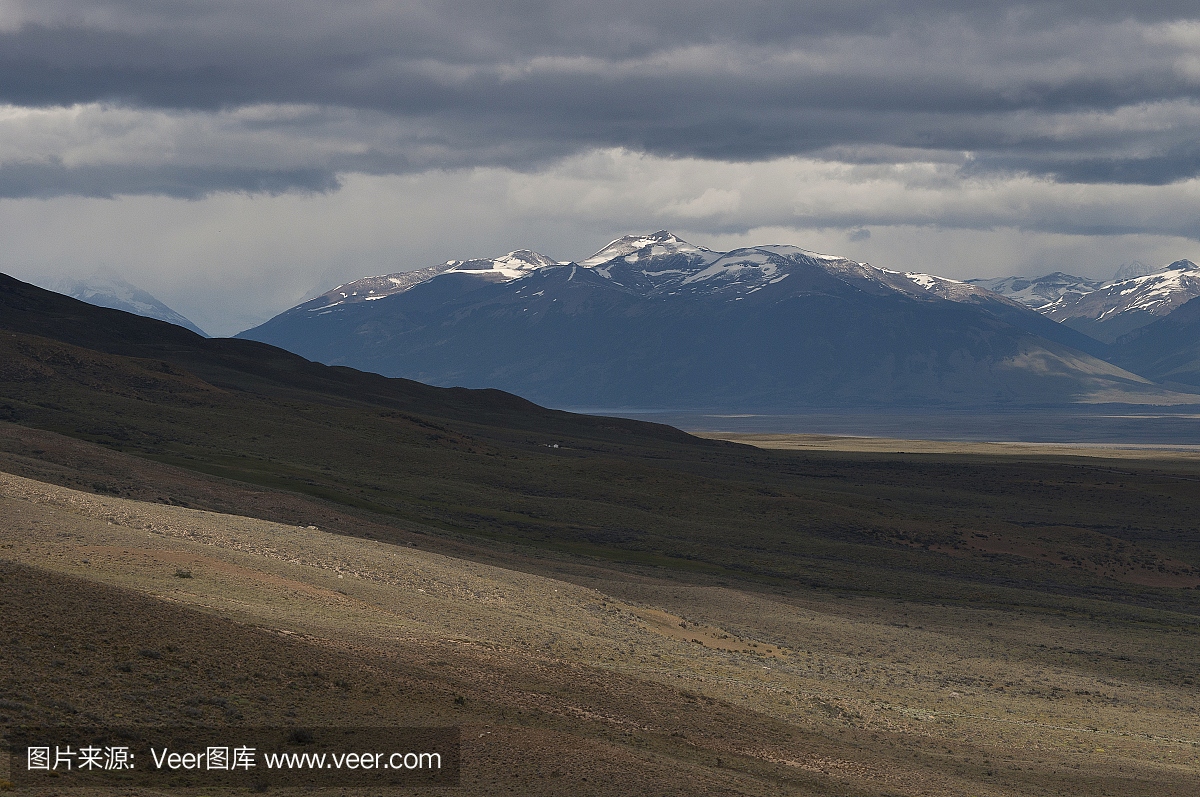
1176,163
44,180
229,155
1033,88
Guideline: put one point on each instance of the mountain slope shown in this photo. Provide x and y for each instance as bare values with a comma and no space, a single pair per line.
1167,350
816,607
369,289
481,470
1011,310
652,321
243,369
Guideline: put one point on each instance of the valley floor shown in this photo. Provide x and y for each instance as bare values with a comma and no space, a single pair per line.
597,682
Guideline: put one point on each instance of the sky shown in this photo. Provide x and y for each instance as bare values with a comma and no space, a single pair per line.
233,157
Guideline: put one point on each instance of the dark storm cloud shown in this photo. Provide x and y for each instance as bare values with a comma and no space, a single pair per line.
1179,162
520,83
45,180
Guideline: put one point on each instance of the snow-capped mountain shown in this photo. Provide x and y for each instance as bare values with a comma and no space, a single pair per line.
1120,307
109,290
497,269
645,247
653,321
1037,292
663,265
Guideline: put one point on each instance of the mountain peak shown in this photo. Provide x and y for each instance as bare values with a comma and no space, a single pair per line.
512,265
656,243
1137,269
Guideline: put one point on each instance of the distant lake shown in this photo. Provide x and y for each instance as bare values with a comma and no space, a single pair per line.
1107,425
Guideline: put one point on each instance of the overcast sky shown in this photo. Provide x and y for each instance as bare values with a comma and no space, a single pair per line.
231,156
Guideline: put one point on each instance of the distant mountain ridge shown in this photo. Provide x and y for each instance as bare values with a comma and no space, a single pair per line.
1135,269
1120,307
654,321
1038,292
1105,311
109,290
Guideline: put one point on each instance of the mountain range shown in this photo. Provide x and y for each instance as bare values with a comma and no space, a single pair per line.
1138,295
1120,307
652,321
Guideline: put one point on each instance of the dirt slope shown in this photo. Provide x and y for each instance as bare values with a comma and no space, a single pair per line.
561,688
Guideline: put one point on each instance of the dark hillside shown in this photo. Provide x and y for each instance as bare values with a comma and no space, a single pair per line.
259,369
1167,350
489,470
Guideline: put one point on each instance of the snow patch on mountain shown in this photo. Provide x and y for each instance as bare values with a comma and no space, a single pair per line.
957,290
789,251
732,264
513,265
926,281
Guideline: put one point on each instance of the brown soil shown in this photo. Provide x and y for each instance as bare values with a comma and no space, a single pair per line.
566,688
675,627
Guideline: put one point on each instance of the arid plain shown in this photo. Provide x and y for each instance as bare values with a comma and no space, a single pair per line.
596,681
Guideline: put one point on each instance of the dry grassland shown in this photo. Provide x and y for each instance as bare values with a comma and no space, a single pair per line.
886,445
882,698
